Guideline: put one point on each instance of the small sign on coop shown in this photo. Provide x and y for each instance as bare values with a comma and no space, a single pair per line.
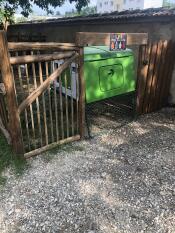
118,41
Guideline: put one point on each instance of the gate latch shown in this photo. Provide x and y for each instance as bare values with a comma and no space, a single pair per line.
2,89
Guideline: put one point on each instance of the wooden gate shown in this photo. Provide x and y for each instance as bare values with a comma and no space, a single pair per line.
45,107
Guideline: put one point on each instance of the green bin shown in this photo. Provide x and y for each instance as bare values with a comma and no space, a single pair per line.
108,73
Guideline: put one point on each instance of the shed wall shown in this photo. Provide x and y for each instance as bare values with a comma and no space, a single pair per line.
162,29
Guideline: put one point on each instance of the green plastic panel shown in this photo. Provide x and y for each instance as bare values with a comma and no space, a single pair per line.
107,73
111,77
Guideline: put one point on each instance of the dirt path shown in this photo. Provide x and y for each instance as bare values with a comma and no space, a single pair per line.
123,180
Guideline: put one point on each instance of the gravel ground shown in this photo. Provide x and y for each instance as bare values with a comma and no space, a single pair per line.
123,180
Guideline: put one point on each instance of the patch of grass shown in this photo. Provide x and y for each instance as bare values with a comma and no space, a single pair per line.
9,160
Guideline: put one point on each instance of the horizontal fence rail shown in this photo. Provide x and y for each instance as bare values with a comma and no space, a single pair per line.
40,58
24,46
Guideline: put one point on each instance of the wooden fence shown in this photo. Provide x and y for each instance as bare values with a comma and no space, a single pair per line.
41,107
156,63
43,111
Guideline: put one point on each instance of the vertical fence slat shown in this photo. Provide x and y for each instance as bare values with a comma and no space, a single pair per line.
170,65
25,112
30,106
152,99
56,108
61,106
50,103
165,75
160,75
8,79
142,77
20,76
66,101
77,95
149,77
44,105
72,102
37,102
27,128
153,78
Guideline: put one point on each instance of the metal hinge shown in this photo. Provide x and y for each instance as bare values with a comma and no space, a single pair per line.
2,89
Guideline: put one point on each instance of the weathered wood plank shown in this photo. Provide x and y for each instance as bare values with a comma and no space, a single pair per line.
37,102
61,107
51,146
152,81
39,58
81,94
165,75
66,103
50,103
72,102
152,106
31,108
160,75
44,105
96,38
20,46
149,77
170,64
8,80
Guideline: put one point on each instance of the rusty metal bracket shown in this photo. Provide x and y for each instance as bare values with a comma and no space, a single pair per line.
2,89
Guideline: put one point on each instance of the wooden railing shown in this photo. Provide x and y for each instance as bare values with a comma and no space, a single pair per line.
42,110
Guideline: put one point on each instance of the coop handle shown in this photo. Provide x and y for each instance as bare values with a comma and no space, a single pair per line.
111,72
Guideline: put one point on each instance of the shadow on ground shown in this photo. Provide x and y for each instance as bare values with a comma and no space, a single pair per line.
9,160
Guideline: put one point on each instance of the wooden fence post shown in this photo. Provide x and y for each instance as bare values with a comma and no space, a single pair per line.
81,94
8,80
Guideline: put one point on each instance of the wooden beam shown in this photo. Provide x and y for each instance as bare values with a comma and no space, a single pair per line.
39,58
96,38
51,146
81,94
20,46
36,93
8,80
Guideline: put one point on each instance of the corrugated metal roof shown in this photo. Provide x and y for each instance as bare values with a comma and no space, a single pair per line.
114,16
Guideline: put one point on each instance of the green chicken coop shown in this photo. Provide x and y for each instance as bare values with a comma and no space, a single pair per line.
108,73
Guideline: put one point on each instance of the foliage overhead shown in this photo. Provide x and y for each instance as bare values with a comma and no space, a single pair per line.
168,3
8,8
26,5
84,11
